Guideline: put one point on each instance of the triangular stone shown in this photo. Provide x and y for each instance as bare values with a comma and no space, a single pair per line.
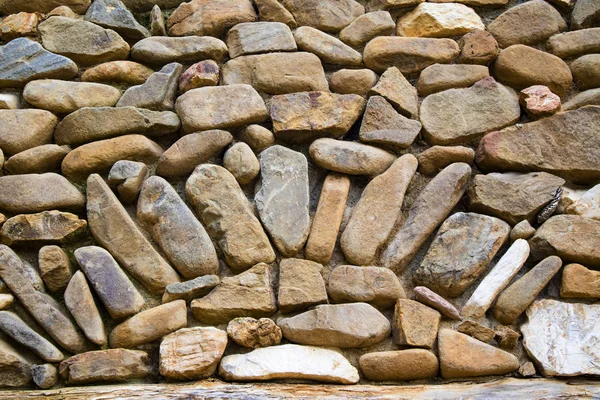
157,93
113,14
397,90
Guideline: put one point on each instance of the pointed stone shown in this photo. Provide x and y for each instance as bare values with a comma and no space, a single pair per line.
394,87
20,332
127,178
16,370
47,227
301,285
434,300
377,286
329,49
157,93
393,365
105,366
55,267
192,289
414,324
113,14
157,22
79,301
274,11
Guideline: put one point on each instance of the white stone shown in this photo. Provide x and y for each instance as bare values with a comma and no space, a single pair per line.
498,278
9,101
289,361
563,337
439,20
584,202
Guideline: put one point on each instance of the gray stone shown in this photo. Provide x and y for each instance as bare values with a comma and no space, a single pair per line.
440,77
55,267
19,331
192,289
328,48
585,14
164,50
37,160
80,302
113,14
47,227
45,376
157,22
350,158
21,130
301,285
588,98
157,93
259,37
377,286
127,178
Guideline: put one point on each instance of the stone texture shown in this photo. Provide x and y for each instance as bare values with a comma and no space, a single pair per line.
79,301
394,87
259,37
228,217
352,81
329,49
477,47
17,25
176,230
439,20
273,11
350,158
55,267
42,6
586,14
16,369
539,101
391,365
254,333
436,158
15,328
343,325
458,116
200,74
376,213
117,71
527,369
240,160
47,227
506,337
300,285
157,93
289,361
522,230
37,160
45,376
113,14
477,331
105,366
432,206
6,300
579,282
461,252
157,22
578,43
367,27
248,294
585,71
9,101
440,77
325,15
164,50
587,98
192,353
393,4
24,129
374,285
430,298
414,324
127,178
189,290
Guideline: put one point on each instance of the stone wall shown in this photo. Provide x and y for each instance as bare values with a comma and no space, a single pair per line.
299,190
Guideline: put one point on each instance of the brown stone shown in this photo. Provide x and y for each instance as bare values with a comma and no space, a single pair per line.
579,282
396,89
522,230
274,11
506,337
367,27
414,324
478,47
47,227
300,285
259,37
203,73
157,22
477,331
377,286
254,333
350,158
352,81
118,71
161,50
527,369
17,25
325,15
23,129
42,6
402,365
577,43
55,267
430,298
79,301
440,77
37,160
587,98
585,71
539,101
16,370
105,366
436,158
586,14
329,49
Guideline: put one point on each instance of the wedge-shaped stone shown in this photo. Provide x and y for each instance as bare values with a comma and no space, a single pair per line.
16,370
157,93
325,15
367,27
175,228
414,324
127,178
377,286
440,77
439,20
377,211
289,361
113,365
80,302
113,14
259,37
228,217
403,365
436,158
114,229
192,289
329,49
577,43
579,282
47,227
117,71
248,294
352,325
462,249
115,290
301,285
434,204
395,88
37,160
428,297
586,14
164,50
350,158
24,129
20,332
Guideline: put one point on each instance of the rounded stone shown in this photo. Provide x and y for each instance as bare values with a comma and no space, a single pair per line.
241,162
478,47
254,333
352,81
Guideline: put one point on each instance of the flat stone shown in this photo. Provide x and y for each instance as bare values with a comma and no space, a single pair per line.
164,50
23,60
157,93
350,158
192,353
461,252
394,87
462,356
324,15
115,290
458,116
228,217
568,141
117,71
585,71
302,117
9,101
436,158
522,230
92,44
20,332
579,282
127,178
539,101
329,49
506,337
259,37
17,25
47,227
114,229
408,54
377,286
240,160
300,285
97,123
353,325
376,213
439,20
192,150
478,47
496,280
586,14
257,137
289,361
577,43
16,370
327,218
430,298
393,4
37,160
55,267
157,22
192,289
25,129
112,14
112,365
79,301
248,294
432,206
440,77
381,124
587,98
414,324
367,27
522,66
352,81
477,331
42,6
203,73
254,333
390,365
45,376
560,337
209,17
284,213
528,23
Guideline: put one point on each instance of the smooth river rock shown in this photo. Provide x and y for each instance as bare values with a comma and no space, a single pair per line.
350,158
377,286
24,129
163,49
37,160
105,366
15,328
80,302
117,71
401,365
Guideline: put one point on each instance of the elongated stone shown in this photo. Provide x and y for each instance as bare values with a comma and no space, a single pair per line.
157,93
175,228
37,160
367,27
226,213
105,366
192,289
16,370
329,49
47,227
163,49
436,158
377,286
114,229
119,72
259,37
434,300
14,327
79,301
392,365
434,204
376,213
576,43
301,285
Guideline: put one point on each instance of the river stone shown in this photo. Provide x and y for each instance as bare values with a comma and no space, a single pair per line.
257,137
300,285
117,71
15,328
240,160
45,376
192,353
586,14
289,361
462,356
522,230
439,20
302,117
105,366
459,116
512,196
436,158
517,297
100,156
440,77
462,249
392,4
80,302
113,14
175,228
114,229
392,365
352,81
97,123
63,97
34,193
352,325
203,73
528,23
429,298
408,54
157,93
228,217
585,71
93,44
565,144
414,324
350,158
37,160
16,370
254,333
42,6
367,27
21,130
273,11
560,337
324,15
277,73
579,282
396,89
192,150
55,267
587,98
578,43
259,37
330,49
23,60
284,213
377,286
376,213
192,289
47,227
127,178
432,206
248,294
477,47
45,310
163,50
539,101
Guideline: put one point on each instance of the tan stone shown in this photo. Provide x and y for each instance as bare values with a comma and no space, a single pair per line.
587,98
439,20
240,160
259,37
329,49
55,267
374,285
254,333
23,129
393,4
63,11
6,300
522,230
300,285
539,101
577,43
203,73
325,15
17,25
580,282
395,88
43,6
16,370
478,47
414,324
367,27
477,331
118,71
157,22
402,365
79,301
47,227
506,337
273,11
350,158
127,178
436,158
585,71
439,77
105,365
163,49
352,81
37,160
